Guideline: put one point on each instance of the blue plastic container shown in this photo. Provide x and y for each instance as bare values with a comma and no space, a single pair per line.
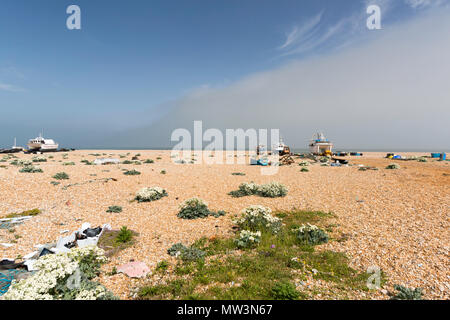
443,157
435,155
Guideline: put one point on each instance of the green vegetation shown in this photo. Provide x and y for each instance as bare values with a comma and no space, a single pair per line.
284,291
150,194
114,209
149,161
162,266
195,208
124,236
393,166
132,173
238,174
269,190
310,234
32,212
87,162
39,159
68,163
163,172
21,163
271,270
30,169
186,253
61,176
113,241
304,169
404,293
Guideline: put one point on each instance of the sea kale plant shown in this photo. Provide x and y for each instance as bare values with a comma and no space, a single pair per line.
61,176
393,166
269,190
63,276
39,159
248,239
114,209
195,208
132,173
21,163
404,293
30,169
256,218
311,234
272,190
186,253
150,194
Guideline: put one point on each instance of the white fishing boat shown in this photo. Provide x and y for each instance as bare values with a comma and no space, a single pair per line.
42,145
320,145
15,148
279,147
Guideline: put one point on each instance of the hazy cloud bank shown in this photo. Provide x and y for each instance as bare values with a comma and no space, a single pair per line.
389,93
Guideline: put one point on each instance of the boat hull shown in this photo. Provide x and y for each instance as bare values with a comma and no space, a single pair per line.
42,148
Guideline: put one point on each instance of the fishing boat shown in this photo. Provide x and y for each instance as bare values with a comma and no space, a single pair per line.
14,149
320,145
42,145
281,148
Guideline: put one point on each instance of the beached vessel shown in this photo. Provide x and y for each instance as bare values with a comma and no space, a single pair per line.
320,145
279,147
42,145
14,148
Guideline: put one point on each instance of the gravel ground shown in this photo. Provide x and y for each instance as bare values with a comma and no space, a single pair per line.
397,220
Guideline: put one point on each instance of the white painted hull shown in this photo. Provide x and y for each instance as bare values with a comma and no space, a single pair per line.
43,147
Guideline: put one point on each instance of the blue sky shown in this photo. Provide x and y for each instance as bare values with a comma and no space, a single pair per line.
132,59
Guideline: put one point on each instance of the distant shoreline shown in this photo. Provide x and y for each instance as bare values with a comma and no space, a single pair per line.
294,150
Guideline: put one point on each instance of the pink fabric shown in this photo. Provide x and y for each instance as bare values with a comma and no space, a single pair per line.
134,269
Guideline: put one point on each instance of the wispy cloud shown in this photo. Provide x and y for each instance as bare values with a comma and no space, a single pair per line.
299,34
10,88
419,4
312,35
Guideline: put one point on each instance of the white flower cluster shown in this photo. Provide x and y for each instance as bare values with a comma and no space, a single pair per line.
193,203
78,254
39,159
305,228
272,190
249,188
54,269
248,238
22,162
94,294
150,194
311,234
257,216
